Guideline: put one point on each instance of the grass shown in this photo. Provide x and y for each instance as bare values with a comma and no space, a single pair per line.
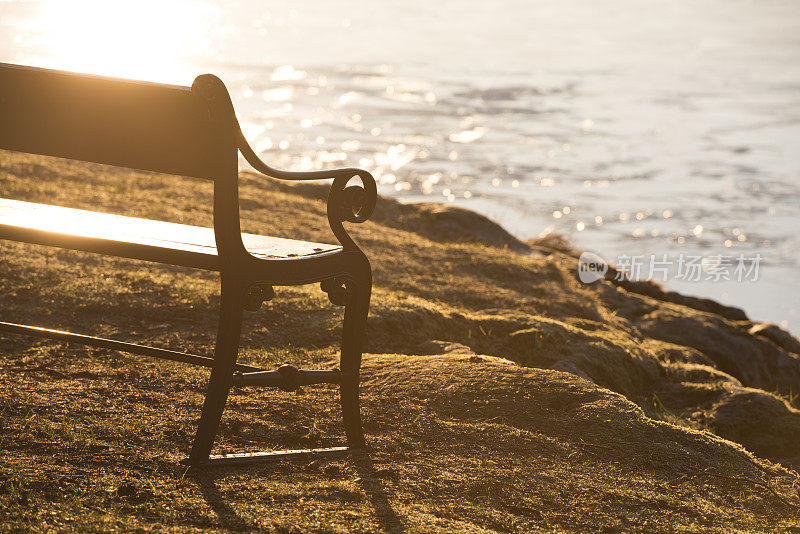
549,405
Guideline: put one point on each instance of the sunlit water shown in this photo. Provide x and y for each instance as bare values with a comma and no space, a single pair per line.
634,127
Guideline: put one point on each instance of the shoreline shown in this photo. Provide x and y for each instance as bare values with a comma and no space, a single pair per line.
765,298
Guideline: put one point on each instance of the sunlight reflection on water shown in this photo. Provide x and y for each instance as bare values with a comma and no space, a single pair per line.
151,40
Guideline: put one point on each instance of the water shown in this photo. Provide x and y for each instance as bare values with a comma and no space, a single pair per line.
634,127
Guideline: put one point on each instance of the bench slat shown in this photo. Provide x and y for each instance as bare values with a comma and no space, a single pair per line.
132,237
140,125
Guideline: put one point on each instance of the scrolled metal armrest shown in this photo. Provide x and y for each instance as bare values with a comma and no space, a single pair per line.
350,203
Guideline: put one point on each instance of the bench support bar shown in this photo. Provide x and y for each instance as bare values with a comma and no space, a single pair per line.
289,378
227,460
111,344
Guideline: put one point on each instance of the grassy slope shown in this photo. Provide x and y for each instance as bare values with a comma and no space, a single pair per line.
589,408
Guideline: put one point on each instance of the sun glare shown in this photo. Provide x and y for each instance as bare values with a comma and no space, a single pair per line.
155,40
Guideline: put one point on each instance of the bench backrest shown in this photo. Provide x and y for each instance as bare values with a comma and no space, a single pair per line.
155,127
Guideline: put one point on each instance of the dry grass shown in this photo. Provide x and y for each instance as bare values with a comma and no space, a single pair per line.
590,408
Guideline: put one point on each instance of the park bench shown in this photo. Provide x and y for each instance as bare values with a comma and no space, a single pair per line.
188,131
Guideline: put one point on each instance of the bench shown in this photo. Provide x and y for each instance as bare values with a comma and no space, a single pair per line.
188,131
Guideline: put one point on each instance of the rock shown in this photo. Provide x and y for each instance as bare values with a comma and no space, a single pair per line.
777,335
651,289
444,347
764,423
454,224
753,360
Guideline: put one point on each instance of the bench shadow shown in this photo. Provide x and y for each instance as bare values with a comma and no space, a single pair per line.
206,481
387,518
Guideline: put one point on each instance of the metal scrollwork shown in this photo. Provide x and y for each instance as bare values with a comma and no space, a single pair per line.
337,291
351,203
346,203
257,296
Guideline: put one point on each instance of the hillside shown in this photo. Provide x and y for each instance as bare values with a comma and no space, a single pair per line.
499,394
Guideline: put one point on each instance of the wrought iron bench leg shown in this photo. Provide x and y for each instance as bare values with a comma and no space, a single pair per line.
359,288
231,312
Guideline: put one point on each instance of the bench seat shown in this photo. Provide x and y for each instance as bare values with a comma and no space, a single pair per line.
132,237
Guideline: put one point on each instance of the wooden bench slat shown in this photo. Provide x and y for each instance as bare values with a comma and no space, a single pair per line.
132,237
155,127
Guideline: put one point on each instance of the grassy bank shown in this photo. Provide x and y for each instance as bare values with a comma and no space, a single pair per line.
500,393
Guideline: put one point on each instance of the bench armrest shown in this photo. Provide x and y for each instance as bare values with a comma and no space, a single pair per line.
351,203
